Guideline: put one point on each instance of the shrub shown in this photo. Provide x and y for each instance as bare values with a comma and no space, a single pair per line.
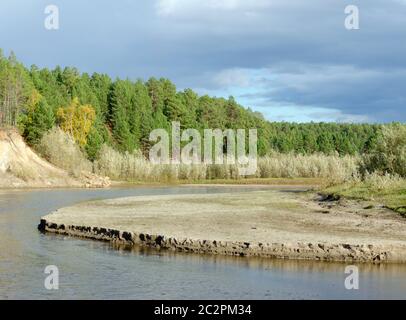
389,153
62,151
378,182
133,166
335,168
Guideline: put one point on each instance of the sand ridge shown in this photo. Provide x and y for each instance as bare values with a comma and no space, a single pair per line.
268,223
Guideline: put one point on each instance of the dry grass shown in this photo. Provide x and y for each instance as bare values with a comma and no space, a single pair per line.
333,168
377,182
389,190
61,150
23,172
310,182
389,153
134,167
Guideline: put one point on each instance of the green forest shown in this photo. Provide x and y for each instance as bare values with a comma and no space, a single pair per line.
96,109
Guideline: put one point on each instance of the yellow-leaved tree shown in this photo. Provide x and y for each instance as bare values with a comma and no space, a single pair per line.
77,120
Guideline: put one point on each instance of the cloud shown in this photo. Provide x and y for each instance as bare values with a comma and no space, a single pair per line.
266,52
183,7
286,112
349,92
232,78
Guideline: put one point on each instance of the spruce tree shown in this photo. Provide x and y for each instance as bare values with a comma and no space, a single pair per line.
121,114
38,121
143,105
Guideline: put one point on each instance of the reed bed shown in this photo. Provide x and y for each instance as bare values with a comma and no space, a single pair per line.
58,148
134,167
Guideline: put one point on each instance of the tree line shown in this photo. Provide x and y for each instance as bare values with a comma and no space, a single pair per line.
96,109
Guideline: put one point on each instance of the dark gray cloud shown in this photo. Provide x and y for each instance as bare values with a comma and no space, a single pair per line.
266,52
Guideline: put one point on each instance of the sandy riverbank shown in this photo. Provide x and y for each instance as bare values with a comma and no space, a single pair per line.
284,223
22,168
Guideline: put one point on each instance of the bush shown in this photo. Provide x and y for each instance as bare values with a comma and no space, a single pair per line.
378,182
62,151
389,153
134,167
334,168
121,166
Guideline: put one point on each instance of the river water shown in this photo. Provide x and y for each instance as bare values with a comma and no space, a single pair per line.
97,270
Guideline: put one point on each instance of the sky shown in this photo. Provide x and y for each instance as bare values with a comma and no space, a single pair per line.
292,60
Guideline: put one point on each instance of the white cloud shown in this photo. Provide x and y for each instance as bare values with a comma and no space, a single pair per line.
295,113
308,77
311,92
232,78
182,7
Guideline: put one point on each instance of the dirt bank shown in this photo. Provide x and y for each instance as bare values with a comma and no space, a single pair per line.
270,223
20,167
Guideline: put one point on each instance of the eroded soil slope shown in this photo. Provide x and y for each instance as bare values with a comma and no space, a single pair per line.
22,167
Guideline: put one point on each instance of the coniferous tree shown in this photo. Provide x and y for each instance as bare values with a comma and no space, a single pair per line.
37,121
173,108
156,95
121,112
190,100
127,111
95,141
143,105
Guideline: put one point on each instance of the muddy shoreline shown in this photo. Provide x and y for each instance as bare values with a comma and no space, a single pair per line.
309,251
271,224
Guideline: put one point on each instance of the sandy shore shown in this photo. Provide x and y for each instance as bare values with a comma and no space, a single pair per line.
268,223
22,168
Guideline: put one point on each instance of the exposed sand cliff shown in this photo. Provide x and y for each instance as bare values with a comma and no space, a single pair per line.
20,167
271,223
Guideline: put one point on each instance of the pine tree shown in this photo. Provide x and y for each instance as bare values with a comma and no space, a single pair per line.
156,94
173,108
190,101
143,105
38,121
121,113
95,140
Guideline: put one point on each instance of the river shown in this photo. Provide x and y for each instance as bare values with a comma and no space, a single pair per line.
98,270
